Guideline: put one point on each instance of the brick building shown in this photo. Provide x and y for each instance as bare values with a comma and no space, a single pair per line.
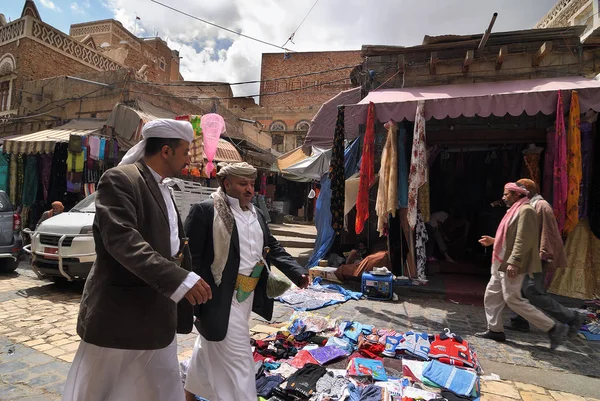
575,12
286,116
32,50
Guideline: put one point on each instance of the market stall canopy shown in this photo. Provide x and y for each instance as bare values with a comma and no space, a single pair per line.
44,141
322,126
314,166
531,96
290,158
226,152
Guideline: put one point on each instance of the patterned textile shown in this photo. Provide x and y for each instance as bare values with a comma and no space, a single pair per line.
549,164
586,160
336,174
402,169
581,279
12,180
418,164
45,168
223,224
532,162
574,166
560,167
423,201
421,246
387,192
20,180
197,153
367,172
30,182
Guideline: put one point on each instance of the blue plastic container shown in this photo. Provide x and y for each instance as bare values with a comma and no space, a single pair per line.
378,286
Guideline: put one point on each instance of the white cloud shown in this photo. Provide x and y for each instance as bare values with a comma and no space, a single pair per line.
81,7
332,25
50,5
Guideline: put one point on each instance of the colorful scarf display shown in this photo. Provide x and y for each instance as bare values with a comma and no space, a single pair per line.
574,166
367,171
418,164
559,202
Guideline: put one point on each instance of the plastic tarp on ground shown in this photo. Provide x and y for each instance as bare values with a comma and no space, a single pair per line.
314,166
325,233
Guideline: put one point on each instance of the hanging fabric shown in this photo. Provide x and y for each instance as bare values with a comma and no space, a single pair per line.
548,184
560,167
423,201
12,179
594,194
30,182
45,168
367,171
336,174
418,164
20,180
421,247
4,163
586,160
387,192
402,169
574,171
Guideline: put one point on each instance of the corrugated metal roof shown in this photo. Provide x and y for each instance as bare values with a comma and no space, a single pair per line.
44,141
226,152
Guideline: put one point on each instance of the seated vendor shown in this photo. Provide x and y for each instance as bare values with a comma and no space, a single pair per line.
437,237
377,256
358,254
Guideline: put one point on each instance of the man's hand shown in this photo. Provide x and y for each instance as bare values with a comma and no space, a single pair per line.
512,271
303,281
200,293
486,240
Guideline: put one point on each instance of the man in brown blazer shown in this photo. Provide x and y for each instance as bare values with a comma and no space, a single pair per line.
515,255
133,301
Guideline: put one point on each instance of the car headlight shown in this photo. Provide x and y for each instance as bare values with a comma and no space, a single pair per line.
86,230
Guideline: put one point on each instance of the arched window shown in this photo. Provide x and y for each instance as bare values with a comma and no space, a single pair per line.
302,125
278,126
7,76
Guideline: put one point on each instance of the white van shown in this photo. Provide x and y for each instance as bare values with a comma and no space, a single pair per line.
62,247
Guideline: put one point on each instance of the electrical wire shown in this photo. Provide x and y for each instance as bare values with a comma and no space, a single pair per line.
291,38
347,67
220,27
237,97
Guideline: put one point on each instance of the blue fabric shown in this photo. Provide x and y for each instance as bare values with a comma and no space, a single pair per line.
313,304
457,380
402,168
102,148
325,232
369,393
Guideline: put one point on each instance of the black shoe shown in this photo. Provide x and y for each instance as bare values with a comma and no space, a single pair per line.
576,324
492,335
557,335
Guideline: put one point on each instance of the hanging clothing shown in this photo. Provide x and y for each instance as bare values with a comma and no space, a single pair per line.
12,180
94,144
4,164
30,181
423,201
102,151
402,169
586,160
336,174
58,177
45,168
421,246
20,180
367,171
594,191
581,278
532,163
574,166
549,156
387,192
418,164
560,167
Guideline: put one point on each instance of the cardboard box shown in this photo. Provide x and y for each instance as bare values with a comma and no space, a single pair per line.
326,273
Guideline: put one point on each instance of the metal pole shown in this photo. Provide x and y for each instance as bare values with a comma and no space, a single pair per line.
88,81
486,35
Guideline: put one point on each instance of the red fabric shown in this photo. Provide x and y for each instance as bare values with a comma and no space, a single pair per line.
367,172
450,351
561,180
302,358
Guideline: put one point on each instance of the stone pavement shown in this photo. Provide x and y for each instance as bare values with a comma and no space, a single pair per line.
38,341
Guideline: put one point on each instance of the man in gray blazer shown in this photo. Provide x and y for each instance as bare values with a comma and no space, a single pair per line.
133,302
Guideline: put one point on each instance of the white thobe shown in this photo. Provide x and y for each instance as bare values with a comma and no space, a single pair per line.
109,374
224,370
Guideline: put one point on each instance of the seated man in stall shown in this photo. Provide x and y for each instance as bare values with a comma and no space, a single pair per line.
377,256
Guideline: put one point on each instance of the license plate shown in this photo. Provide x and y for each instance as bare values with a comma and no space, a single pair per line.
53,251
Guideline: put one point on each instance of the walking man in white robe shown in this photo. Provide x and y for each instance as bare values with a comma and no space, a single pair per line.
227,237
140,290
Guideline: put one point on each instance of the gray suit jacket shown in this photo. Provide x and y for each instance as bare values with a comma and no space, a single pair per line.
125,301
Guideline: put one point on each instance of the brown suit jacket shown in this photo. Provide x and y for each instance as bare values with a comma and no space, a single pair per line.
125,301
523,242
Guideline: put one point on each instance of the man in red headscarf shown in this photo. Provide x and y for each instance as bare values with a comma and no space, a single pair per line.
515,255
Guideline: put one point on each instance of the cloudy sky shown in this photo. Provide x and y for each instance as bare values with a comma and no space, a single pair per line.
213,54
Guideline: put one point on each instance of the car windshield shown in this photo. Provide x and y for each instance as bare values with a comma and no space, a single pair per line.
88,205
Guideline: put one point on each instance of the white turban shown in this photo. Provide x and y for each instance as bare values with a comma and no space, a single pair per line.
244,170
161,128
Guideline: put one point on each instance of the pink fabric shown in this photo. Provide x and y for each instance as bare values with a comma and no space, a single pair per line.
482,99
561,180
511,186
500,238
418,164
213,126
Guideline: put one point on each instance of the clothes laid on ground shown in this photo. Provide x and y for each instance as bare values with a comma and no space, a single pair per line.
317,296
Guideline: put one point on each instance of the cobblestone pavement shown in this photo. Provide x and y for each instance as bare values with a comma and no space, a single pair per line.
38,339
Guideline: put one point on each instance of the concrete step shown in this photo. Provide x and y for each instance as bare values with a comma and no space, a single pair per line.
295,242
293,230
300,254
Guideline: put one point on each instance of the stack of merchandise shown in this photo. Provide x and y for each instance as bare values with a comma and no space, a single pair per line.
315,358
591,330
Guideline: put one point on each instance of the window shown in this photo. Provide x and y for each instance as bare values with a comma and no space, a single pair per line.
161,63
299,140
278,126
278,142
302,125
4,95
